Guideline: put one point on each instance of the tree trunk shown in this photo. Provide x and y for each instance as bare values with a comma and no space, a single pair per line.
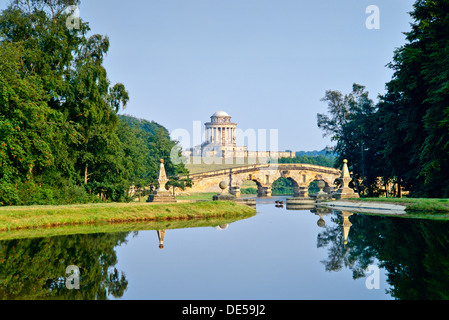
85,173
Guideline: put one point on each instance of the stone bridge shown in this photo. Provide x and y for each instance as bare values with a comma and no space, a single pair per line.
264,175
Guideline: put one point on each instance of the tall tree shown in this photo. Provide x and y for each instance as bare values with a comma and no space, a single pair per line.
352,123
69,66
415,109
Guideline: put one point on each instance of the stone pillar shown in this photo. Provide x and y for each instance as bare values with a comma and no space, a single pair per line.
235,190
296,191
303,192
223,138
264,191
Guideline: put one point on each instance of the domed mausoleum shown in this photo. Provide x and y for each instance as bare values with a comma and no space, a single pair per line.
220,130
220,137
220,141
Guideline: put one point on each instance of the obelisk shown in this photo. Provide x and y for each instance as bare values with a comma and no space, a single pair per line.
344,192
161,195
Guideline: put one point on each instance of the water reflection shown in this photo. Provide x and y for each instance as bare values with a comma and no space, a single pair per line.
414,254
161,236
36,268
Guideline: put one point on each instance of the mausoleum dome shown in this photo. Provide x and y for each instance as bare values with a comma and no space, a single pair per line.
220,114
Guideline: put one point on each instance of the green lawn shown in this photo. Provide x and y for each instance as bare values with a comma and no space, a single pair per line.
197,196
16,218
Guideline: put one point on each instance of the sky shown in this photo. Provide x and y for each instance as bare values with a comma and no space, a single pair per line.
267,63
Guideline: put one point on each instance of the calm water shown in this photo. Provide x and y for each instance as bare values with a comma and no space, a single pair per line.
276,254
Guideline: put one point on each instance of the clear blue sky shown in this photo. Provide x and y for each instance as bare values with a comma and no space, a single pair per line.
265,62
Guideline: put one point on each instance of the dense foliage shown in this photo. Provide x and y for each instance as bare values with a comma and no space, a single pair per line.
404,137
319,160
61,138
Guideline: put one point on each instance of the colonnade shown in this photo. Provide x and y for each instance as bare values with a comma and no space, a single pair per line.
223,135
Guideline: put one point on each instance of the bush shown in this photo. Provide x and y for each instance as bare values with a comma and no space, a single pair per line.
248,191
8,194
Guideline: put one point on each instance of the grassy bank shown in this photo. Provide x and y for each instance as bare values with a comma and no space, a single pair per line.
197,196
121,227
423,208
415,204
18,218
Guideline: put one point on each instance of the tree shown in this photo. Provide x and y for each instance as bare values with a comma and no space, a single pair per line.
61,139
352,122
29,130
417,100
154,143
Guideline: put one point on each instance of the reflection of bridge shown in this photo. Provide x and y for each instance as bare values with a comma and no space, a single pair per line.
264,175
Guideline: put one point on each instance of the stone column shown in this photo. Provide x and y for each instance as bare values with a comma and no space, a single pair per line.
303,192
264,191
235,190
296,192
223,137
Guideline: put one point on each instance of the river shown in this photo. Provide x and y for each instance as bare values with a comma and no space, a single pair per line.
273,255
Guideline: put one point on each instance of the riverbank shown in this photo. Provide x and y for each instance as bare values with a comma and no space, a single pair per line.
19,218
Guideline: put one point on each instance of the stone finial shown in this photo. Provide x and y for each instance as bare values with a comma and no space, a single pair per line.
223,185
223,195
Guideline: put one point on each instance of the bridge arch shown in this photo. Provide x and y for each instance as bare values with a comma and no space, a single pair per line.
295,185
236,185
329,183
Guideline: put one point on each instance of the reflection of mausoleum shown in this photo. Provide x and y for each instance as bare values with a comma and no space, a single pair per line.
220,141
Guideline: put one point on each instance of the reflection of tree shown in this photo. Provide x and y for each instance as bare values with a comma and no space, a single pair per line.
416,257
341,254
413,251
35,268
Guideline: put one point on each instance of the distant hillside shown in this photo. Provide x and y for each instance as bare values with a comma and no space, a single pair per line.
315,153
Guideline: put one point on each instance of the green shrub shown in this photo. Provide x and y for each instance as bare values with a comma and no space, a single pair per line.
248,191
8,194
